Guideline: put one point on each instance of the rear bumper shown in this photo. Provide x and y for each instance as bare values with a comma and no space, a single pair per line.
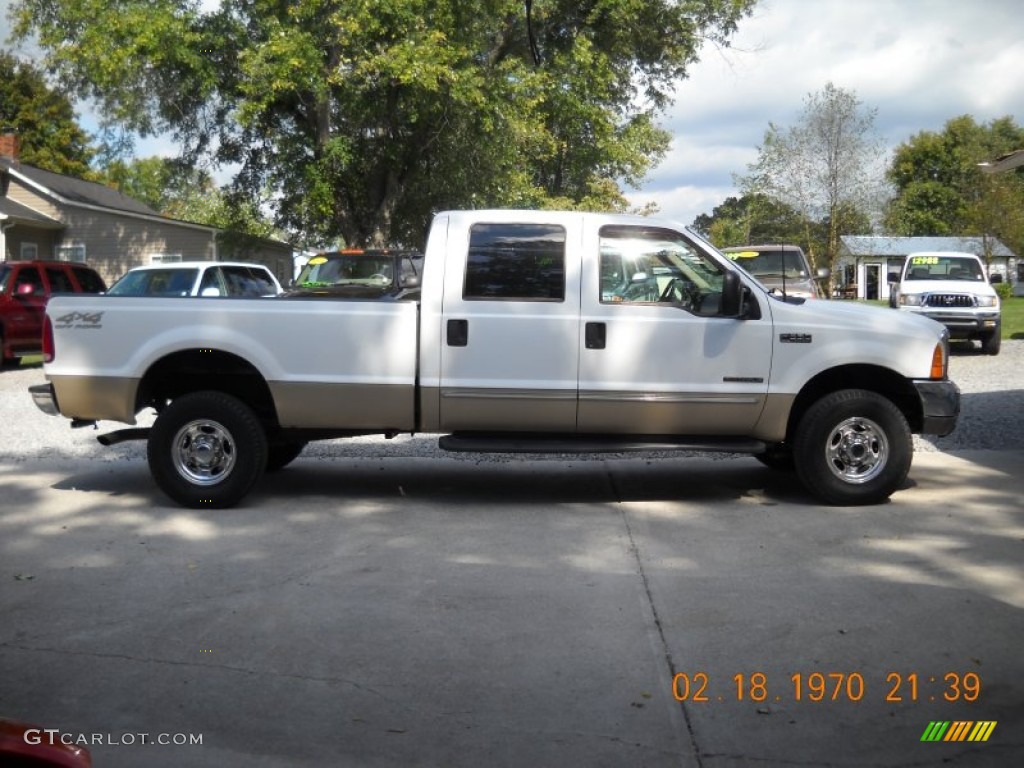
940,406
45,399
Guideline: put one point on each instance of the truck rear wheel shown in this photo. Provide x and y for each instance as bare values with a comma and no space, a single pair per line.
207,449
853,447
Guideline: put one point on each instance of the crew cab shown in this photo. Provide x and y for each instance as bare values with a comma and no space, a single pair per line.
535,331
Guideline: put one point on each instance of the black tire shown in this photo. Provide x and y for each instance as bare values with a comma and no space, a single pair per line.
990,344
777,456
5,361
207,450
281,454
853,447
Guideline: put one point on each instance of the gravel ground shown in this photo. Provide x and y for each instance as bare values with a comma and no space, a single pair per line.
992,418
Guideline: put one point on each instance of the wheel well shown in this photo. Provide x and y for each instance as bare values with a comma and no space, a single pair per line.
873,378
194,370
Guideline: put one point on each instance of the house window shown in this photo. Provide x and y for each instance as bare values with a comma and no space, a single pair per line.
71,253
29,251
164,258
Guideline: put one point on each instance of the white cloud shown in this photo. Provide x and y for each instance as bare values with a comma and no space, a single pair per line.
920,63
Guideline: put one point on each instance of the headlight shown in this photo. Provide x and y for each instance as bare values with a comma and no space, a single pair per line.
988,301
910,299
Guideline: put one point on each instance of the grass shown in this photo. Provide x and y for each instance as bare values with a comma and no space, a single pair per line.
1013,318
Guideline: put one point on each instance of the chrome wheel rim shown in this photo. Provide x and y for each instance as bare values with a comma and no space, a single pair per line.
857,450
204,452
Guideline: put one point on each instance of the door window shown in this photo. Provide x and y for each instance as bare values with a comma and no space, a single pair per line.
516,262
60,281
648,265
29,276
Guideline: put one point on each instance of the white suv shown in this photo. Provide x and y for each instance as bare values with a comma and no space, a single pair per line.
952,289
197,278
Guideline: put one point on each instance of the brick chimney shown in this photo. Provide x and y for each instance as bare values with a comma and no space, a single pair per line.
9,146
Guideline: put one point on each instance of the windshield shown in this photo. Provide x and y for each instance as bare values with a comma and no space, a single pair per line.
789,264
943,268
354,269
155,282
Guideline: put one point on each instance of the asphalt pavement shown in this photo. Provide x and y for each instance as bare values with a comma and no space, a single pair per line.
442,612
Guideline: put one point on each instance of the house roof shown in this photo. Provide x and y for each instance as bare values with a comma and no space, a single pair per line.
870,245
72,190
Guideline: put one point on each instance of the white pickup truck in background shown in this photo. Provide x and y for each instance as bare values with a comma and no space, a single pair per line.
534,331
951,288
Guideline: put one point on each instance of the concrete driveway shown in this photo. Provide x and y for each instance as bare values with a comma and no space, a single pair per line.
453,612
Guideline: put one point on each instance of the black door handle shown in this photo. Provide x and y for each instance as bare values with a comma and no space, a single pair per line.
458,333
594,335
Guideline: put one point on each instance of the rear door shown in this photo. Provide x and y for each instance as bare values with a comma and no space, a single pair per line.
24,324
510,325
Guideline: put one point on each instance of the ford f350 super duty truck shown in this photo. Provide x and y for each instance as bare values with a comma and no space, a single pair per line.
534,331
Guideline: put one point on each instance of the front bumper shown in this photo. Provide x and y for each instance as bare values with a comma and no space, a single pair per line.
45,399
940,406
962,324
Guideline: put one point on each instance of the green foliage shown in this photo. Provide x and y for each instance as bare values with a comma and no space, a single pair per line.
752,220
1005,290
43,119
174,189
366,117
942,190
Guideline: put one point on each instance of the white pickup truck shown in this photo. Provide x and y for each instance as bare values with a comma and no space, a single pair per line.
534,331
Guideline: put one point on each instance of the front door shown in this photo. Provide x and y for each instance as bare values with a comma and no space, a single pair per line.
656,356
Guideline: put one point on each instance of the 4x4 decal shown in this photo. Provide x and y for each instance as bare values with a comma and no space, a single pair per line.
79,320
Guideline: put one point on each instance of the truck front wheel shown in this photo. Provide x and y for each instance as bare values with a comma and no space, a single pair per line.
853,447
207,449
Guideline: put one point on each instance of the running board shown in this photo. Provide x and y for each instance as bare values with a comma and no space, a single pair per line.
123,436
540,443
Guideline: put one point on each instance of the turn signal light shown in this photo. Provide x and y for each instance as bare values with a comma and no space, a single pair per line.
939,361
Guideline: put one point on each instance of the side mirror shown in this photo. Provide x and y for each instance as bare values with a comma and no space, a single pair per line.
732,294
410,281
639,277
824,273
996,278
26,289
211,291
894,277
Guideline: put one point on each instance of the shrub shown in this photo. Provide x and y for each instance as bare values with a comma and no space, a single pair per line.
1005,290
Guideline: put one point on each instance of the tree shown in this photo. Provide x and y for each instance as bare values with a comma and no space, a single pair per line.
366,117
942,190
752,220
43,119
827,167
182,192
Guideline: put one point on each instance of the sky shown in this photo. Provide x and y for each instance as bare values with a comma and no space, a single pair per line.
919,63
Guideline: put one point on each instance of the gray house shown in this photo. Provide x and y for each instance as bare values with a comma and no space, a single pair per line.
865,262
45,215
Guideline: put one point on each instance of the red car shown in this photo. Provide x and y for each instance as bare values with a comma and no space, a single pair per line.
25,287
